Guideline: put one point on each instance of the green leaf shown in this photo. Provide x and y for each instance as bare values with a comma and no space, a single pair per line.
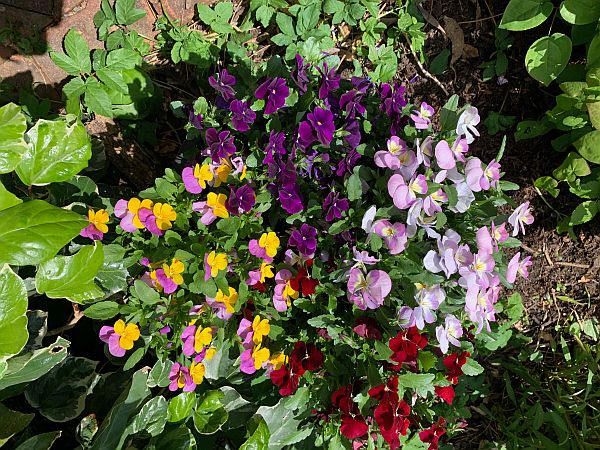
42,441
354,187
422,383
180,438
134,358
283,426
589,146
35,231
72,277
529,129
593,55
113,273
102,310
548,184
56,151
522,15
594,112
159,375
126,13
472,367
259,439
74,88
122,58
97,99
78,50
13,125
7,199
145,293
112,79
12,422
181,407
31,366
60,394
580,12
439,64
285,24
209,414
573,166
151,419
584,212
448,115
65,63
13,308
548,56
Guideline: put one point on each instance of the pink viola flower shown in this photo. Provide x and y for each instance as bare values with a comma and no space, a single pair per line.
450,257
491,175
283,293
422,116
428,301
467,122
449,333
432,203
475,175
368,291
195,339
479,304
128,211
120,337
394,235
363,259
246,333
396,155
446,157
499,234
403,194
292,259
253,359
97,227
519,218
424,151
180,378
195,178
518,267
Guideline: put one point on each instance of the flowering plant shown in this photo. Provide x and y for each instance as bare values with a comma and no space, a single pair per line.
326,250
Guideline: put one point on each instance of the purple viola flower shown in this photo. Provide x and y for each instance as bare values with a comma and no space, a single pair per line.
197,120
350,102
223,83
518,267
220,145
346,164
405,195
180,377
275,147
354,136
449,333
368,291
450,257
274,91
393,100
240,200
318,126
242,116
334,206
394,235
363,258
219,308
446,157
479,304
245,333
520,217
422,116
290,199
299,75
247,362
361,84
330,81
304,239
491,175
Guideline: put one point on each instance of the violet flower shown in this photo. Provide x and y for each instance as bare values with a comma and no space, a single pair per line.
449,333
241,200
197,120
223,83
368,291
431,203
403,194
220,145
446,157
334,206
283,292
350,102
304,239
520,217
318,126
180,377
274,91
242,116
299,75
396,155
289,197
450,257
330,81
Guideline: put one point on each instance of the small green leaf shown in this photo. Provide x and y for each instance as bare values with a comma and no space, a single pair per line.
102,310
112,79
134,358
151,419
259,440
548,56
126,13
548,184
584,212
159,375
97,99
181,407
74,88
593,55
145,293
12,422
354,187
13,125
13,308
78,50
472,367
42,441
573,166
580,12
522,15
65,63
122,58
7,199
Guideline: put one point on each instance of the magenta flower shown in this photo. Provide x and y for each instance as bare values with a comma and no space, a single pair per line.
122,212
247,362
304,239
368,291
219,308
491,175
449,333
520,217
220,145
422,116
148,219
394,235
242,116
318,126
334,206
169,286
245,333
241,200
223,83
446,157
403,194
330,81
180,378
274,91
518,267
299,75
350,102
396,155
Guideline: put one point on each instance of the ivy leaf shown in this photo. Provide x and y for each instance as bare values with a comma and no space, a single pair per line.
181,406
78,50
421,383
151,419
12,422
13,308
589,146
13,125
283,425
259,439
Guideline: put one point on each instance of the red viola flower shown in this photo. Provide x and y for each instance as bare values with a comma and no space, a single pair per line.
390,417
432,435
285,380
303,283
405,351
306,357
353,426
368,328
260,287
454,363
446,393
383,390
419,339
342,399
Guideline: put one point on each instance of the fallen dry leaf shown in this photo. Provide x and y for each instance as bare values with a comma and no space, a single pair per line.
470,52
457,37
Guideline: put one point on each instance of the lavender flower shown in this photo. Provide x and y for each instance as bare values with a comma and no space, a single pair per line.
368,291
520,217
274,91
394,235
449,333
467,122
422,116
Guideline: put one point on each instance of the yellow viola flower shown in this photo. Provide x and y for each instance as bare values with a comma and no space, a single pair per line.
197,372
261,328
217,203
278,360
134,205
289,293
266,271
203,174
157,284
270,242
229,300
174,271
202,338
99,219
128,334
216,262
260,356
165,214
222,173
244,172
210,353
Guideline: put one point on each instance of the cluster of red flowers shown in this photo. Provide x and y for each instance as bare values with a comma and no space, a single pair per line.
454,363
354,424
391,413
406,346
432,435
304,357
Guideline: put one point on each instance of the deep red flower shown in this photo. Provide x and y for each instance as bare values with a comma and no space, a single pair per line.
303,283
414,336
342,399
306,357
432,435
383,390
446,393
285,380
405,351
260,287
368,328
390,416
454,363
353,427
